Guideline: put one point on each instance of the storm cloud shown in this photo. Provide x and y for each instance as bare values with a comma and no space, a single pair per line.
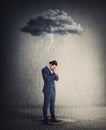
52,21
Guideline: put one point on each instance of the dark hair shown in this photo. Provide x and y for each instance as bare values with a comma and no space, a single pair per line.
53,62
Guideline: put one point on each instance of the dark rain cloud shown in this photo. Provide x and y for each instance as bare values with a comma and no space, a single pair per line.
52,21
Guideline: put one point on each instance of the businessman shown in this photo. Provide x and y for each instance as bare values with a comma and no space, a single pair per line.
49,74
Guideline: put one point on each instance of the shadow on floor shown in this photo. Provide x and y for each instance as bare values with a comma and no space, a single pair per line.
74,118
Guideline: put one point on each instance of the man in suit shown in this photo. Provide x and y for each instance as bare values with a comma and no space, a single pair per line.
49,74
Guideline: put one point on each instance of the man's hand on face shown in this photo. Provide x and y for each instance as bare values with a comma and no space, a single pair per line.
55,71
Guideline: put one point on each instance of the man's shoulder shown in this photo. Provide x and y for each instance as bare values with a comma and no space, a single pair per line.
44,68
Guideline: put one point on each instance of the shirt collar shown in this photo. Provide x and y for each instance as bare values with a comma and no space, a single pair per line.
50,69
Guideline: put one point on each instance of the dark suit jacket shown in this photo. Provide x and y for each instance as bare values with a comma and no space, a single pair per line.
49,78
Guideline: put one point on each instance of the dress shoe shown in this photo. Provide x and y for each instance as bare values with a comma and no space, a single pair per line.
54,120
47,122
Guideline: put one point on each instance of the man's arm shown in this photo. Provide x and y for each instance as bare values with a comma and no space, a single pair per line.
56,77
49,77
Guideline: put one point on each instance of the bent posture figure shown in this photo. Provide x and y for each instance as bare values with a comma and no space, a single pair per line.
49,74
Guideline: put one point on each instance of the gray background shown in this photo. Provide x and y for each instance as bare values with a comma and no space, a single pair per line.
81,65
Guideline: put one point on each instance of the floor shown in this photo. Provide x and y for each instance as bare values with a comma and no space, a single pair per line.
73,118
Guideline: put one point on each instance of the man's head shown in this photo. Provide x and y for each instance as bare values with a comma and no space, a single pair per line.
53,64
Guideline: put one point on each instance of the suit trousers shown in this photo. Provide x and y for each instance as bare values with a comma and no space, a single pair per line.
49,99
